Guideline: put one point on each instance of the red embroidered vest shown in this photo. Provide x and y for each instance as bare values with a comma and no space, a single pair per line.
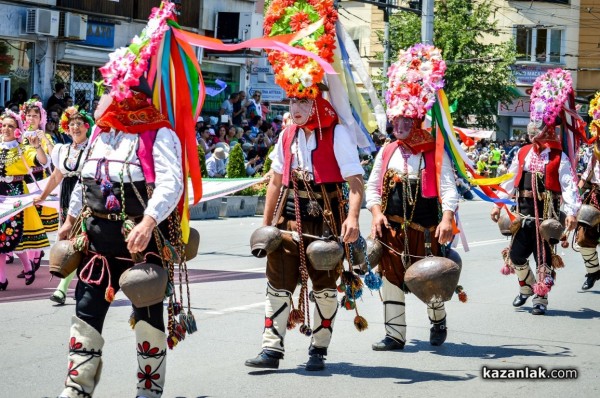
325,167
551,176
428,179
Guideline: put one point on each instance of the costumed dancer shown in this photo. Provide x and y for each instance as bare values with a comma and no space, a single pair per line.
124,207
588,230
403,193
22,233
314,157
67,160
34,118
543,174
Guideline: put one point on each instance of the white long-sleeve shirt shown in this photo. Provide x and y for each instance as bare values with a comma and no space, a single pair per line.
215,166
448,190
117,146
595,178
566,177
344,148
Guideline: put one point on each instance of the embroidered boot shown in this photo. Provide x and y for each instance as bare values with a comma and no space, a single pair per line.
152,360
277,310
540,305
437,316
394,318
85,360
526,282
326,305
590,259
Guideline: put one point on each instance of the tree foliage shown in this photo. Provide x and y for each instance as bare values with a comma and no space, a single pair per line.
236,167
478,75
267,166
202,160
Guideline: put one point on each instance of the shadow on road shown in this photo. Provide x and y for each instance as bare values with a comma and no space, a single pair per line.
461,350
403,375
583,313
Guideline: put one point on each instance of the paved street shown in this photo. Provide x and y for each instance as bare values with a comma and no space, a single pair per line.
228,295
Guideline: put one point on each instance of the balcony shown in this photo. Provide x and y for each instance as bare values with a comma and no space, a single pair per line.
134,9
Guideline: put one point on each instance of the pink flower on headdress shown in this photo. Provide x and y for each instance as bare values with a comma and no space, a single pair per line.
550,92
414,80
127,64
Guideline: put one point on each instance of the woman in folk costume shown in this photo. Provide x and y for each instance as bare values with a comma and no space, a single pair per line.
403,194
131,182
543,174
313,158
588,231
34,119
22,233
68,161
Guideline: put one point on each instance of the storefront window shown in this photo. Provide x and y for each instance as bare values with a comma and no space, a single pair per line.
227,73
79,80
16,71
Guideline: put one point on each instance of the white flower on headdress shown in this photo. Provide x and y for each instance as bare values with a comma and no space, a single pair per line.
306,80
539,106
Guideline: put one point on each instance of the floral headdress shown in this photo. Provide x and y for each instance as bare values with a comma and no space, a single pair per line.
17,118
594,113
127,64
414,81
70,112
550,91
297,75
23,113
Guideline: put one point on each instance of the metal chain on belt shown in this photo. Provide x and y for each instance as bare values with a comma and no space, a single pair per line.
303,298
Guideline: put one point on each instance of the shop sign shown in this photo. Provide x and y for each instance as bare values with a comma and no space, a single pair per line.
518,107
100,34
269,92
525,74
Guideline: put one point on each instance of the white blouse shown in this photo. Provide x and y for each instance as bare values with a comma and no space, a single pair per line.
122,147
449,193
345,150
69,154
566,177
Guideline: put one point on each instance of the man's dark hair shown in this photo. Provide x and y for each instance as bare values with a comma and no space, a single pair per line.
59,86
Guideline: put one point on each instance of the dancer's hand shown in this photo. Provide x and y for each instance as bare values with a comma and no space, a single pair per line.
379,222
41,135
140,235
37,200
64,230
570,223
495,214
350,230
444,231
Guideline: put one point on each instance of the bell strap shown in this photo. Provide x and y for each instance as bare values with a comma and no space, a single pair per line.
86,275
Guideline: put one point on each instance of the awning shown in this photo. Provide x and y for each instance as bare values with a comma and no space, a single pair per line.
82,55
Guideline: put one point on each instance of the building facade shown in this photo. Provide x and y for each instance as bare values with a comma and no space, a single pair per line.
44,42
547,35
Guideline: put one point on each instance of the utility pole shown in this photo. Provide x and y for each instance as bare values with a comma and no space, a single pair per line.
427,22
386,45
387,6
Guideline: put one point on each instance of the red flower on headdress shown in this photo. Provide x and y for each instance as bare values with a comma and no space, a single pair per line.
299,21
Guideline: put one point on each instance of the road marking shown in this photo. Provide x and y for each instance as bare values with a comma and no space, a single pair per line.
259,270
485,242
236,309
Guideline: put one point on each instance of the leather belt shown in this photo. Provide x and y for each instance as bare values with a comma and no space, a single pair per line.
113,216
412,225
315,195
529,194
